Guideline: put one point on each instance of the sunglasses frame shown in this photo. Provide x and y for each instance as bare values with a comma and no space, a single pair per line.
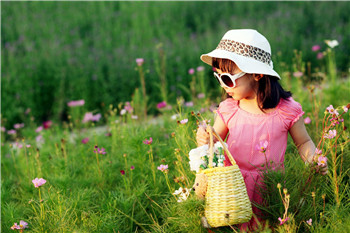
232,77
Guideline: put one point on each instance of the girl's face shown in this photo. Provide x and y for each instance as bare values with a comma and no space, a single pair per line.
246,86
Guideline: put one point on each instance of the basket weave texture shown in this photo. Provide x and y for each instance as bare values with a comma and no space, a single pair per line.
227,201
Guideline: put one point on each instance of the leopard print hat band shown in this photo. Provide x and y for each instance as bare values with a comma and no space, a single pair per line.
245,50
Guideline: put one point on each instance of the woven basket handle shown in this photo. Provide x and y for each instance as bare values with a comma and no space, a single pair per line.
212,132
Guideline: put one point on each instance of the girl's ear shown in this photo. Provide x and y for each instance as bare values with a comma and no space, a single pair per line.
257,77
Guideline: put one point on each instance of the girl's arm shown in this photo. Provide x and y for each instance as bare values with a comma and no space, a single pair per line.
202,136
302,140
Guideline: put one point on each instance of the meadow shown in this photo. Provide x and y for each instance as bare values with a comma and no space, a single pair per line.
110,158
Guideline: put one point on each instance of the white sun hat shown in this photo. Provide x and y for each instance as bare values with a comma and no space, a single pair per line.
247,48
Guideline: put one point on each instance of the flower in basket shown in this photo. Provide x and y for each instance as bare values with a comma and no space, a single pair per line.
199,157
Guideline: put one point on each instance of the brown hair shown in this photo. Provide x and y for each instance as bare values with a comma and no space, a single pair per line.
269,92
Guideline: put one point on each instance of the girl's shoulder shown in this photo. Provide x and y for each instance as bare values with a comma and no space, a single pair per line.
290,111
228,105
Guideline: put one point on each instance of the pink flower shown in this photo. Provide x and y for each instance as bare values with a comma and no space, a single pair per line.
320,55
15,227
100,151
200,95
309,222
139,61
189,104
47,124
91,117
184,121
122,172
22,225
38,182
200,68
298,74
85,140
148,142
191,71
282,221
262,146
128,107
322,161
331,110
318,151
345,108
75,103
19,145
161,105
18,125
316,48
134,117
3,129
28,146
39,138
40,128
331,134
132,167
162,167
11,132
307,120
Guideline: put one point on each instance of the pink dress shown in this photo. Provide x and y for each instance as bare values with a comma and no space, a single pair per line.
246,130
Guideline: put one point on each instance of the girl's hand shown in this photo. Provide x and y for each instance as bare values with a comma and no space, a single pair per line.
202,136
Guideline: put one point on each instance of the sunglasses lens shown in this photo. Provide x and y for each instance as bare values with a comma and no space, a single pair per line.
227,80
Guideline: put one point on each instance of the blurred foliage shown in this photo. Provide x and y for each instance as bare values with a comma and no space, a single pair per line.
54,52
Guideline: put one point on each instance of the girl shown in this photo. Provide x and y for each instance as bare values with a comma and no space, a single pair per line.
258,113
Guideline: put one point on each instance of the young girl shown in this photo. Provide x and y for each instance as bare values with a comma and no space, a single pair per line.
258,113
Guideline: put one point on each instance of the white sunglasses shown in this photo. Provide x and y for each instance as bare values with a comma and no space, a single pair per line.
227,79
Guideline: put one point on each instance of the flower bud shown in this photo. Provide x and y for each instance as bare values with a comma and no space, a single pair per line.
279,186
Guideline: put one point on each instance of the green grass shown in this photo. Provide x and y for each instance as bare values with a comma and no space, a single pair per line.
55,52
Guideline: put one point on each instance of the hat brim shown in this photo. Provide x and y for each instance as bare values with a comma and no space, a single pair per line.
246,64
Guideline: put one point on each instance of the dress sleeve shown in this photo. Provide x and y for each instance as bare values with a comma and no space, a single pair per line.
290,111
227,109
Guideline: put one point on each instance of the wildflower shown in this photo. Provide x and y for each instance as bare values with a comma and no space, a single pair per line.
322,161
331,43
18,125
91,117
184,121
331,110
100,151
191,71
331,134
307,120
309,222
200,95
316,48
318,151
128,107
161,105
262,146
76,103
345,108
22,225
282,221
189,104
40,128
162,167
298,74
85,140
122,172
28,146
38,182
139,61
200,68
173,117
183,194
3,129
132,167
122,112
320,55
39,139
148,141
134,117
11,132
279,185
47,124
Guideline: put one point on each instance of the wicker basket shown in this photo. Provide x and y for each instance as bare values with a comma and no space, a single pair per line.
227,201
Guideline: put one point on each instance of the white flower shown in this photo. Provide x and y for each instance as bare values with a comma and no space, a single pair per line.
196,157
332,43
220,164
122,112
173,117
182,193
